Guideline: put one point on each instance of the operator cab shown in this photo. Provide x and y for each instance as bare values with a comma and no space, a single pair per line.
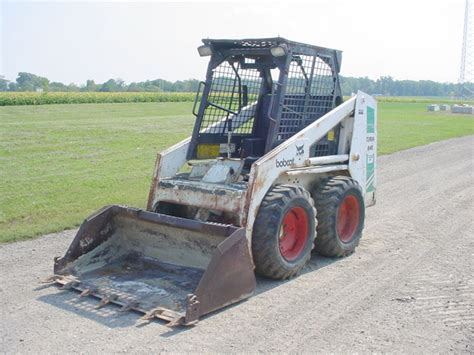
260,92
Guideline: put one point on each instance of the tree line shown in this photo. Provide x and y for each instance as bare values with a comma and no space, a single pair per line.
386,86
31,82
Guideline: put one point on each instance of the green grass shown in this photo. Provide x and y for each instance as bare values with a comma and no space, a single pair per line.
406,125
59,163
424,100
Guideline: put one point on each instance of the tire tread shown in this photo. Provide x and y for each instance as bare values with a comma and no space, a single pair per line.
267,224
327,197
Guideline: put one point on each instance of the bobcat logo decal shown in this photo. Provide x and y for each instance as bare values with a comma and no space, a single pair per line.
299,150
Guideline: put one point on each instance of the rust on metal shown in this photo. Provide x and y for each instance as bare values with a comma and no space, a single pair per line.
154,183
167,164
166,267
51,279
163,313
211,196
192,309
229,277
86,292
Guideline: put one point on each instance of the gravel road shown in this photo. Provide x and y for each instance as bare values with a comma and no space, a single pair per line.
408,288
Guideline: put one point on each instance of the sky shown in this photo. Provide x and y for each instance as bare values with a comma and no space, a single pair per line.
135,41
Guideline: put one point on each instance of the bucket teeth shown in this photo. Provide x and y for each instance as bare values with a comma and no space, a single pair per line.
175,322
105,300
86,292
152,314
51,279
173,318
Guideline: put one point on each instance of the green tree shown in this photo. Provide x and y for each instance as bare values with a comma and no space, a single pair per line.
73,87
134,87
385,84
3,83
113,85
90,86
12,86
56,86
31,82
121,86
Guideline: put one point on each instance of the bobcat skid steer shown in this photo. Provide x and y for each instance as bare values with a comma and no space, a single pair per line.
278,164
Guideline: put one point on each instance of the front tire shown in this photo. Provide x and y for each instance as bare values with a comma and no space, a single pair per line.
341,215
284,232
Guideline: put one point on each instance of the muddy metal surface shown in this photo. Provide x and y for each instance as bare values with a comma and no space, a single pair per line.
408,288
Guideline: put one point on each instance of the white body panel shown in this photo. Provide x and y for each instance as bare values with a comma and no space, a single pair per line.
168,163
288,163
265,171
363,150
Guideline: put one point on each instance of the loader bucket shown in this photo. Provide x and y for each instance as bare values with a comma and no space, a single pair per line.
167,267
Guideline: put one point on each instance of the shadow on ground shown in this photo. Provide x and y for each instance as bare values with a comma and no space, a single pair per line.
317,262
108,315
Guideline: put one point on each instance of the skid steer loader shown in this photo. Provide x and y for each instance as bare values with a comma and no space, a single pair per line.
277,164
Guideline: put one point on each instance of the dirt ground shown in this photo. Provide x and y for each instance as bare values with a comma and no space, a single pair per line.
408,288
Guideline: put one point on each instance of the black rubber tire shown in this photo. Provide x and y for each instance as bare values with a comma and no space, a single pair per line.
328,197
269,261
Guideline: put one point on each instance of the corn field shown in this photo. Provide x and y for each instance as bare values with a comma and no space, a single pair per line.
39,98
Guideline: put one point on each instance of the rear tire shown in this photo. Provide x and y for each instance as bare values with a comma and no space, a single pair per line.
341,215
284,232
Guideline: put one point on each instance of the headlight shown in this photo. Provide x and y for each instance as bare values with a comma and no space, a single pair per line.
204,50
278,51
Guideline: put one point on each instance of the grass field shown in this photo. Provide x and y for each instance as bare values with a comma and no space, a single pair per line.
61,162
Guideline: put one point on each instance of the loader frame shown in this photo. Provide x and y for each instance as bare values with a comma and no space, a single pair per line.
289,162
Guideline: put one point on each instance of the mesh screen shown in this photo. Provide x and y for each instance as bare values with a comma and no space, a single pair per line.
225,93
321,149
309,94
